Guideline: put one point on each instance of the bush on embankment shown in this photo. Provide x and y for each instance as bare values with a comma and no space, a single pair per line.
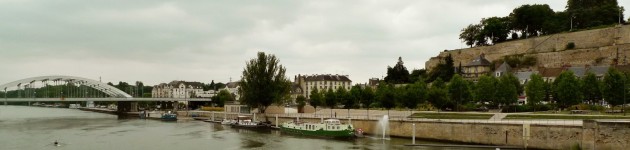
204,108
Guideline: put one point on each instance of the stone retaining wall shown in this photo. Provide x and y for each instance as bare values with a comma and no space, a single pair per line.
594,135
590,45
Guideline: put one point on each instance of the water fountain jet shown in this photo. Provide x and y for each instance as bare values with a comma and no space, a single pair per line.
381,127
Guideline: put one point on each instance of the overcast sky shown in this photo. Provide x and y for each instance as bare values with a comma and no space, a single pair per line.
160,41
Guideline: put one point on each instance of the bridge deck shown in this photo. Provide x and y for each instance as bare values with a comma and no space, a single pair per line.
99,99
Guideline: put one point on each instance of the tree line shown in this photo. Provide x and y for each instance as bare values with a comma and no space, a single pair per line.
539,19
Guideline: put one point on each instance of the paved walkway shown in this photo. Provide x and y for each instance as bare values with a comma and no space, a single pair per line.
498,116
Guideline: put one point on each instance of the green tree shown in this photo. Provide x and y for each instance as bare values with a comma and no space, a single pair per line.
344,97
486,89
398,74
330,100
386,95
471,35
496,29
301,102
438,95
535,90
557,23
354,95
588,13
414,94
445,70
222,97
418,75
507,92
367,98
529,19
219,85
458,91
613,87
264,82
316,98
516,83
591,88
567,88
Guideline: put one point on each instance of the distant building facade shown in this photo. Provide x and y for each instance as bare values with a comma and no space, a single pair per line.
233,88
180,89
476,68
322,82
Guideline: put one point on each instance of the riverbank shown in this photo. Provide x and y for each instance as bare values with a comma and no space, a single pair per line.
539,134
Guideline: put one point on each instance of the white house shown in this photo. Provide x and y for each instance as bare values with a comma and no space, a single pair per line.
179,89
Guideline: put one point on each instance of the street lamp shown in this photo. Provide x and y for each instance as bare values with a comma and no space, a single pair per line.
572,23
620,10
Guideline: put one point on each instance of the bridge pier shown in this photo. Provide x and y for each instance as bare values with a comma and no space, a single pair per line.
125,106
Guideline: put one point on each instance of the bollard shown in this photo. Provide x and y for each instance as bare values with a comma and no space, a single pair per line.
213,116
413,134
254,119
276,120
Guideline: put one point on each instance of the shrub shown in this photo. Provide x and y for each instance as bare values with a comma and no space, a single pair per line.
528,61
204,108
467,107
542,107
516,108
570,45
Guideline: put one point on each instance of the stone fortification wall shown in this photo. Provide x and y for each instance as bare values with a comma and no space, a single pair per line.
592,135
551,49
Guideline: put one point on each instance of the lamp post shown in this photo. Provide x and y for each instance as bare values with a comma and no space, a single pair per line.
620,10
571,24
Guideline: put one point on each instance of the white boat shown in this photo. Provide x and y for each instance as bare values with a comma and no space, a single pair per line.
246,122
228,122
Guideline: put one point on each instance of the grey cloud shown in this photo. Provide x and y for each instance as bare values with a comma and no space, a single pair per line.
159,41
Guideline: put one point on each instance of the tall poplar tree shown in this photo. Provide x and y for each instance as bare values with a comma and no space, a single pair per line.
264,82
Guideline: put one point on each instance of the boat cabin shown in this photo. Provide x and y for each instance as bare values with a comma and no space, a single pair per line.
332,121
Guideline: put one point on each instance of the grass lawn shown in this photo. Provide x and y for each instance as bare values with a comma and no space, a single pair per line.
451,116
580,117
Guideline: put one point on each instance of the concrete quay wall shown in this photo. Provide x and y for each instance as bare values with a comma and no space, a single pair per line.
592,135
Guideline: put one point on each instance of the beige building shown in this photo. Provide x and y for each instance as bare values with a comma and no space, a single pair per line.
476,68
178,89
322,82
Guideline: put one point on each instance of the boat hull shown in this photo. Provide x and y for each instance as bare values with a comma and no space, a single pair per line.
319,133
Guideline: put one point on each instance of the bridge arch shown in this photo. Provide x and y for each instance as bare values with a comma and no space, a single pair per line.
107,89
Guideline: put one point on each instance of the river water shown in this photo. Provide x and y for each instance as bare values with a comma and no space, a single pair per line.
34,128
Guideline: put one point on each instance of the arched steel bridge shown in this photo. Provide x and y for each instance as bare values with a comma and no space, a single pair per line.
112,93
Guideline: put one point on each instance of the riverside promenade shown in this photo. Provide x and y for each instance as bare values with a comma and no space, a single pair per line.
526,133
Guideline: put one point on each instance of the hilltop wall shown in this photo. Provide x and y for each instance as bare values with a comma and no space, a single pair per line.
592,47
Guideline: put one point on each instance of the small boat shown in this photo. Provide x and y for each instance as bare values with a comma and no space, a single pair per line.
246,122
228,122
329,128
169,116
